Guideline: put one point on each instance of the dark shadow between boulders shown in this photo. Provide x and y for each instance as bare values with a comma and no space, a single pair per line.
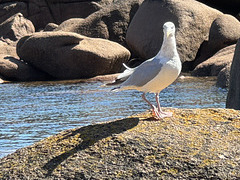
88,136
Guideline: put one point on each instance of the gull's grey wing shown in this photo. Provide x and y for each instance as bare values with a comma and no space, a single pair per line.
143,73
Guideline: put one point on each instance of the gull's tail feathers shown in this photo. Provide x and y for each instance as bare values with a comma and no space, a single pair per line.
121,77
126,66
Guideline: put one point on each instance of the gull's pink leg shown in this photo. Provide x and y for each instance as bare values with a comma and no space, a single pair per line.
155,111
163,114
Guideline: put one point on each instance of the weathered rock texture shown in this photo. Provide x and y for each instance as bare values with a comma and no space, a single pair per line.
213,65
66,55
111,22
7,49
223,77
16,27
192,20
43,12
233,98
193,144
224,31
15,70
50,27
217,65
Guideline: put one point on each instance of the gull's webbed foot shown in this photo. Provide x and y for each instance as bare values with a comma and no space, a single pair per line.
160,114
156,114
166,114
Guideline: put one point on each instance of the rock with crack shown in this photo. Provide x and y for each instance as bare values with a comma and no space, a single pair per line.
111,22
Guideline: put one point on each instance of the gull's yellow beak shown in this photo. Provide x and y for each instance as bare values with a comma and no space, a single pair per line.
168,33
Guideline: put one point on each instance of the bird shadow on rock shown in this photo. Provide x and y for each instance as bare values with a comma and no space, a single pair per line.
151,119
88,136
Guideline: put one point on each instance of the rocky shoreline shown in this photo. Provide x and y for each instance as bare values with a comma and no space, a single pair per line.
89,41
194,143
75,40
51,40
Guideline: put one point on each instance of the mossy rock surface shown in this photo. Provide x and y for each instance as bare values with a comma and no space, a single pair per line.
194,143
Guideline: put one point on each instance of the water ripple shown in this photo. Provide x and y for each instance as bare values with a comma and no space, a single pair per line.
32,111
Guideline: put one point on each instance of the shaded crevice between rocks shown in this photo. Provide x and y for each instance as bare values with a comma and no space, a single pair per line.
50,10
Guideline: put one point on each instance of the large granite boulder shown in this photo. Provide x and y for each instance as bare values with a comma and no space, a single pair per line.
43,12
111,22
66,55
192,19
224,31
12,69
233,97
193,144
15,70
89,27
16,27
213,65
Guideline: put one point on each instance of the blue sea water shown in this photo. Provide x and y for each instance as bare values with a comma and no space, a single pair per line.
32,111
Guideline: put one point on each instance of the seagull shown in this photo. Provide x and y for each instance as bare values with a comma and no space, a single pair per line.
155,74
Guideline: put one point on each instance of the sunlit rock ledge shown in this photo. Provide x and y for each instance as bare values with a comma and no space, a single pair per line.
194,143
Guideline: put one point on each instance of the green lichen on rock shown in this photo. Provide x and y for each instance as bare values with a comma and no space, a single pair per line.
194,143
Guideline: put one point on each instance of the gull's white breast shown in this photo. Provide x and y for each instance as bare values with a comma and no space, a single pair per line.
167,75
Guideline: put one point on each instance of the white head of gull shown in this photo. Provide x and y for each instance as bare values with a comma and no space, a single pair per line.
154,74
